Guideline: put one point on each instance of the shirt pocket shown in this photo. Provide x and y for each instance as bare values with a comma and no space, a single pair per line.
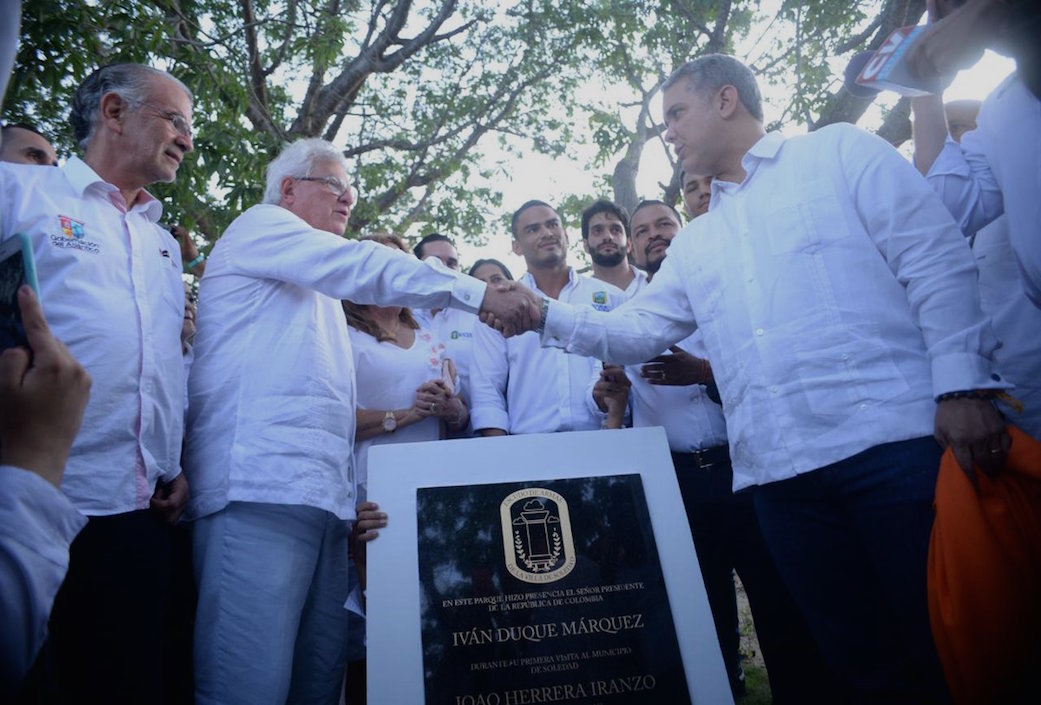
807,225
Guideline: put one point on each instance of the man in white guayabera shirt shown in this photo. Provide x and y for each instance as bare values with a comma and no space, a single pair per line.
110,285
837,303
271,427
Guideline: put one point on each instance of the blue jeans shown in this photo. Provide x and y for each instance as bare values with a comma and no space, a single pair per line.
851,541
270,626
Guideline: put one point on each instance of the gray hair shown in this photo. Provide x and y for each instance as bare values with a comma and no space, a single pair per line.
131,82
713,71
296,160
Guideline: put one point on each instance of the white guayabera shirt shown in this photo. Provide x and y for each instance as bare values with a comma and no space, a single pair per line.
835,296
110,285
271,414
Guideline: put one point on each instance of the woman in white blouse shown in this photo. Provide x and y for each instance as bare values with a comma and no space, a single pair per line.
405,385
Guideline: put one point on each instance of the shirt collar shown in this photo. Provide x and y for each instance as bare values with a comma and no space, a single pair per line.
529,280
82,177
766,148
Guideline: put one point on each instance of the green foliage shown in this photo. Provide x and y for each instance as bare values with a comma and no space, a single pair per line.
414,92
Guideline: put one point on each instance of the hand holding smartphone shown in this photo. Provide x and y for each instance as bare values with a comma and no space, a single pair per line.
17,267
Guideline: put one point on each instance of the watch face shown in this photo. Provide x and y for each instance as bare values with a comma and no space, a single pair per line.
389,423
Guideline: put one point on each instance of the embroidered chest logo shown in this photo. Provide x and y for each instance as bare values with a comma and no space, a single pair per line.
70,227
73,236
599,297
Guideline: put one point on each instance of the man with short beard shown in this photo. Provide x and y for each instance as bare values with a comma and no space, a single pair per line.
605,237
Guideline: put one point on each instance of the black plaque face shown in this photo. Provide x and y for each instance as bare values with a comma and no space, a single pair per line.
545,592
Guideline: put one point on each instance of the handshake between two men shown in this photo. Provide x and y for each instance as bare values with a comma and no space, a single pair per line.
511,309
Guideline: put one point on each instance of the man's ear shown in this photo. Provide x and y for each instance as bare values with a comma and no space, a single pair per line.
113,108
585,245
287,189
515,246
727,102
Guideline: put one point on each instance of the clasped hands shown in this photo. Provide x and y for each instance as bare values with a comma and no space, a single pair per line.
511,309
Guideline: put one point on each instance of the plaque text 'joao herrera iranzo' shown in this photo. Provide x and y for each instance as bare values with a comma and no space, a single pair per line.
544,592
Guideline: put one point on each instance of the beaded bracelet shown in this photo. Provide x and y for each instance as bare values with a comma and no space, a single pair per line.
982,394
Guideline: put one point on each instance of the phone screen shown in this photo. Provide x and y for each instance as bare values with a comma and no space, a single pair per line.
13,274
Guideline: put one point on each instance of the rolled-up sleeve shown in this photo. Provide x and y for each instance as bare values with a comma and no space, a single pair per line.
963,179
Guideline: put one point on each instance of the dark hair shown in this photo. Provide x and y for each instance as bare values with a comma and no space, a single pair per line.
432,237
603,206
129,81
654,202
525,206
713,71
357,314
481,262
22,126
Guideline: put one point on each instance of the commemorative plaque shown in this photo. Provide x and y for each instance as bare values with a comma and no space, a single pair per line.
544,591
551,568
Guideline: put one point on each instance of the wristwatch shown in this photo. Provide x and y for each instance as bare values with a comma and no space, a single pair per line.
390,423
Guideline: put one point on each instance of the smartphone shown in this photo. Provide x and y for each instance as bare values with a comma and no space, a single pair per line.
17,267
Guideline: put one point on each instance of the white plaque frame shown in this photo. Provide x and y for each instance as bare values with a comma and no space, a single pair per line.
396,471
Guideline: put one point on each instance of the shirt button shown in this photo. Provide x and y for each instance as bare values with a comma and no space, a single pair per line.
758,331
466,297
773,390
863,406
845,356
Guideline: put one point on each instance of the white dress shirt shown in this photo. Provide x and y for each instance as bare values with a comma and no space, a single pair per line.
272,388
521,387
388,377
1017,322
37,524
110,285
995,170
691,420
835,296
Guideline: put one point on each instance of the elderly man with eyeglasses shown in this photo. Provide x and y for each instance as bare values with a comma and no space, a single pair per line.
110,285
271,427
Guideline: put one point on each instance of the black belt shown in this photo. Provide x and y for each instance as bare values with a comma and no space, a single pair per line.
708,458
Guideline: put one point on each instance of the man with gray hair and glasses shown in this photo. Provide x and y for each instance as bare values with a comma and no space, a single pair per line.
271,427
839,309
110,284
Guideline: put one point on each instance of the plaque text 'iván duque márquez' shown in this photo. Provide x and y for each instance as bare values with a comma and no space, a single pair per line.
544,592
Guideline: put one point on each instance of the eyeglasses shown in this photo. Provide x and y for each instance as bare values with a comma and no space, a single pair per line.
179,122
333,184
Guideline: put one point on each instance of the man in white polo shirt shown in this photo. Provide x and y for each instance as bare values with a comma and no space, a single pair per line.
110,284
271,426
518,386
